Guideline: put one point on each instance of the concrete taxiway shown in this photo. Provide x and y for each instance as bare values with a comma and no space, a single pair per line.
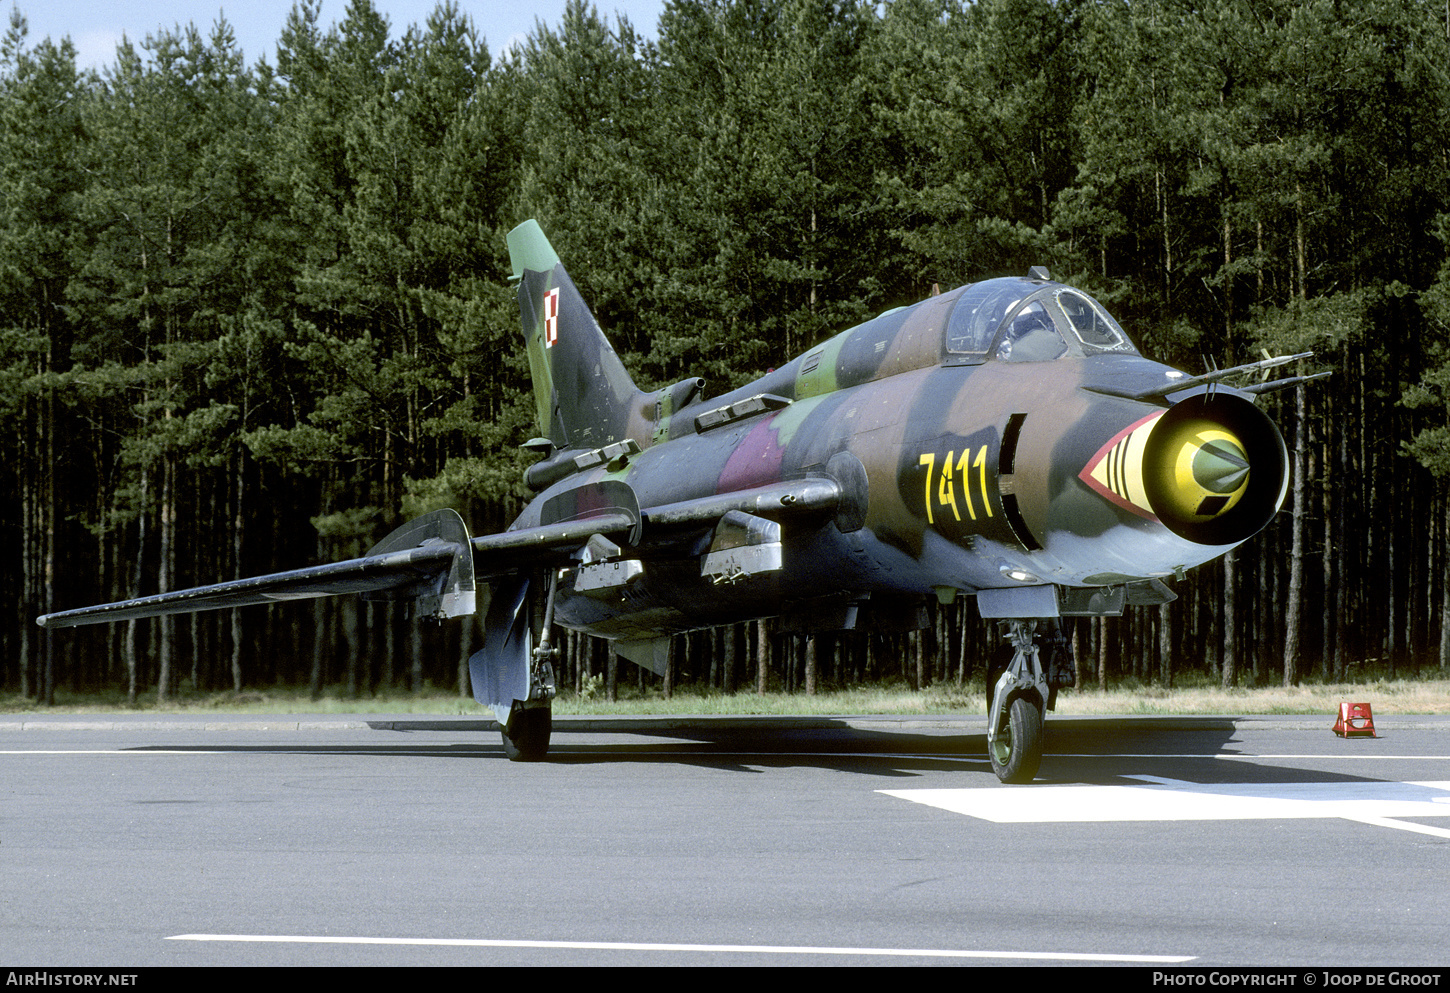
398,840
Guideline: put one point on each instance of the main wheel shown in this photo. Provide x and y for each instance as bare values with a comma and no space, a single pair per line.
526,739
1017,752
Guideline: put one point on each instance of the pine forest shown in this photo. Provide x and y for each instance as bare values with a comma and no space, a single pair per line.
254,316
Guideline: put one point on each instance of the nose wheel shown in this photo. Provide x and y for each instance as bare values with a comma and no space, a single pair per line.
1016,751
1020,694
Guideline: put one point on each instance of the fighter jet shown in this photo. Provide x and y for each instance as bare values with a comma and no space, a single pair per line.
1003,441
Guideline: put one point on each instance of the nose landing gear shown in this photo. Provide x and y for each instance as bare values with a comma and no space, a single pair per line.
1021,689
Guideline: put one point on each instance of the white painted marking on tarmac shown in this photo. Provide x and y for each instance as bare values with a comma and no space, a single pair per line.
320,750
1380,804
641,946
110,751
1241,756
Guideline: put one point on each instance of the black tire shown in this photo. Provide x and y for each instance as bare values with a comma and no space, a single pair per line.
526,739
1018,750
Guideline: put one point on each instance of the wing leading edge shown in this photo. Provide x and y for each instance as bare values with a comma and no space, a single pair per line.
426,559
433,560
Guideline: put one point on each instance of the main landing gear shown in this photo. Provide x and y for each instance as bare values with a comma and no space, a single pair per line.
531,722
526,738
1022,683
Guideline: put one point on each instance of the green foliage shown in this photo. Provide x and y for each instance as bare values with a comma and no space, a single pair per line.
270,307
350,531
1324,324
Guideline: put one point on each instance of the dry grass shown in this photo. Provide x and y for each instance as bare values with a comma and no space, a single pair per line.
1429,694
1385,696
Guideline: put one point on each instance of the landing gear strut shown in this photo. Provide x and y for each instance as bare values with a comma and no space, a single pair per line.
1021,690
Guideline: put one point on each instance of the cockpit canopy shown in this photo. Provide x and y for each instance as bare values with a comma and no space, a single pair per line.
1027,320
1013,319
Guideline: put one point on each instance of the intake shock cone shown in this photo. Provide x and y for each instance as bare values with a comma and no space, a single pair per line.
1215,469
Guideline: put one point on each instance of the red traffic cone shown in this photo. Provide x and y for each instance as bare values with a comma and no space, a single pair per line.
1355,721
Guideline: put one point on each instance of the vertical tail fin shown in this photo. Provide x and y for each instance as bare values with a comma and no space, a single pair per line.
583,394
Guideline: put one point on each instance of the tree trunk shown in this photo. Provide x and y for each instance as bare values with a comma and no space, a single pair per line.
1102,653
415,648
611,676
322,614
1329,592
30,594
1165,645
1230,658
238,521
1295,599
1343,593
48,533
352,629
762,657
165,568
133,633
1445,580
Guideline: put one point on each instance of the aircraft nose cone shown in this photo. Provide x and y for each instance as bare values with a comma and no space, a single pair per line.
1209,471
1220,466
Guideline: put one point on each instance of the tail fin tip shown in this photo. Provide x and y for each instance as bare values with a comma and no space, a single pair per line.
529,249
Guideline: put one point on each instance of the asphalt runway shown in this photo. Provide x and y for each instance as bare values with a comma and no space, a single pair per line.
399,841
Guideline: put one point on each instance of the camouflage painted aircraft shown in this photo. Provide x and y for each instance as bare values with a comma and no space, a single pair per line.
1003,440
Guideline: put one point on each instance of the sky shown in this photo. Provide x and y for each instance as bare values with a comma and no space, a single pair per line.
96,28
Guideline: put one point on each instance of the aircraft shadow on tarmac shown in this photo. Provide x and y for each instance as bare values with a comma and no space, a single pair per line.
1084,752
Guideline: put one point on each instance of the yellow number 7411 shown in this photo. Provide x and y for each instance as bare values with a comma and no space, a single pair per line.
944,483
